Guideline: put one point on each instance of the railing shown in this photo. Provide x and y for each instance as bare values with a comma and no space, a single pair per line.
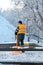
21,63
22,49
29,35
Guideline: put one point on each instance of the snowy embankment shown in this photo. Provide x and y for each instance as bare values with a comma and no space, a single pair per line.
6,31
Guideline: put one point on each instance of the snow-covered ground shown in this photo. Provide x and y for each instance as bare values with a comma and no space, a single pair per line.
28,56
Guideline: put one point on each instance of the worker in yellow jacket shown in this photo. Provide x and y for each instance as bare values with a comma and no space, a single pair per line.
20,32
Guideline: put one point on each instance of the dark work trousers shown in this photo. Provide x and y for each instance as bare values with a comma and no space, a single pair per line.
21,39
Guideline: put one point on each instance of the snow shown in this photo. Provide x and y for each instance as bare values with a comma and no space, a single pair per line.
6,31
27,56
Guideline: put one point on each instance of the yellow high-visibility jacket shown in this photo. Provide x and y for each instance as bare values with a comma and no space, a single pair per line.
22,29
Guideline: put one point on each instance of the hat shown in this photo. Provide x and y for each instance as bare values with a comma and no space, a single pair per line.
20,22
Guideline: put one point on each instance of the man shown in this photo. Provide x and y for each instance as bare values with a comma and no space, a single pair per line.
20,33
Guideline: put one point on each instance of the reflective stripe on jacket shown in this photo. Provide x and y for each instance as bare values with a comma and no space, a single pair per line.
22,29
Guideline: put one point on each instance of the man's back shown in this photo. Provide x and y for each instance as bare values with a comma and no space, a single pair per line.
22,29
